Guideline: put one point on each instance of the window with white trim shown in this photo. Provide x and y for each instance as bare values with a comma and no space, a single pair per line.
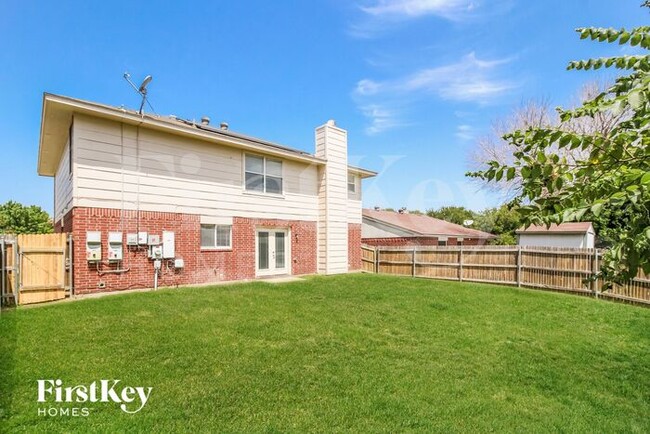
352,183
263,174
216,236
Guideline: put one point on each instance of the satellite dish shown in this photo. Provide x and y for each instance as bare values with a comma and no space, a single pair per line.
468,222
143,86
142,90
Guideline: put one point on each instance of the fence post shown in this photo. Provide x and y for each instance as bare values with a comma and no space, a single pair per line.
413,266
18,264
519,266
70,247
460,263
377,259
594,270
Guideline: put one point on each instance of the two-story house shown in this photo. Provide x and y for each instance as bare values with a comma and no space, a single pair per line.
158,200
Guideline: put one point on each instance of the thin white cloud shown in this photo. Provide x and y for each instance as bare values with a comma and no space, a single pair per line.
470,80
376,17
381,118
404,9
465,132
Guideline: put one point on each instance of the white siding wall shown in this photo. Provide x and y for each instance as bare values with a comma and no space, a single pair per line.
331,144
119,166
63,185
354,211
354,203
372,229
553,240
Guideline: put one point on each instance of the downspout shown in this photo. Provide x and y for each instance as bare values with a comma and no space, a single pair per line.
71,259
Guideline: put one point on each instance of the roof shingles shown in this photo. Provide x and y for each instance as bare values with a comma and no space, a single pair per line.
566,228
424,225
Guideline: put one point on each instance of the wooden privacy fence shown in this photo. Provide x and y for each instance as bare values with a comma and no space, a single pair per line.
561,269
35,268
8,270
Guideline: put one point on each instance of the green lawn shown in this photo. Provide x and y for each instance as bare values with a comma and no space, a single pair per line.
352,353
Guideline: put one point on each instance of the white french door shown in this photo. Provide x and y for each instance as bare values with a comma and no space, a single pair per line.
272,253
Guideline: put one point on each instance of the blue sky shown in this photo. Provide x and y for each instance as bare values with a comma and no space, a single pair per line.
413,81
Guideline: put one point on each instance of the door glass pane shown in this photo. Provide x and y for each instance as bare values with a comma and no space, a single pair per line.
263,250
279,250
254,182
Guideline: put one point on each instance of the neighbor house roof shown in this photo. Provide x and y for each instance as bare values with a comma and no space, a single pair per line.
57,115
423,225
563,228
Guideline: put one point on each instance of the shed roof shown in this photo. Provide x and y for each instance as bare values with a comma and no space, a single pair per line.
562,228
423,225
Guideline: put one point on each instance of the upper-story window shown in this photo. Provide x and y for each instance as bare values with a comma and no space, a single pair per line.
352,183
263,174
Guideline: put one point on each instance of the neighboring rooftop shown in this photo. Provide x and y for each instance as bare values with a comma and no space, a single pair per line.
423,225
57,114
562,228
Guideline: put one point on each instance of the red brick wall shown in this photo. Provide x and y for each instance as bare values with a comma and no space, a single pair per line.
354,246
200,266
419,241
65,224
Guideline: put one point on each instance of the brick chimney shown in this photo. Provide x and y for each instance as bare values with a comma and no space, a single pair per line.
332,145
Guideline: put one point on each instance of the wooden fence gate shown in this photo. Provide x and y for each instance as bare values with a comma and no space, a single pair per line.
35,268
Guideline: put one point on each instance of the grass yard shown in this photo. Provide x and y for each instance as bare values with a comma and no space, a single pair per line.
352,353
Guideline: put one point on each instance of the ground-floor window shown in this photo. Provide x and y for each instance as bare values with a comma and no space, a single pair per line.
216,236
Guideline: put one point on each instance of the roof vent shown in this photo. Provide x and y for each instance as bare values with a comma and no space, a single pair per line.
205,120
402,210
377,208
224,126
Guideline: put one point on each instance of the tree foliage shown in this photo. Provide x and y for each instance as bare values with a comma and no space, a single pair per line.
614,176
16,218
454,214
502,222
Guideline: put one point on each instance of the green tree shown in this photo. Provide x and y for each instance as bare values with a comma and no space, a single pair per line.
16,218
502,222
615,175
452,214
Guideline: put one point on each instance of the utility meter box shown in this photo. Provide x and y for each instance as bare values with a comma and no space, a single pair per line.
115,249
153,240
179,263
168,245
156,252
142,238
131,239
93,246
